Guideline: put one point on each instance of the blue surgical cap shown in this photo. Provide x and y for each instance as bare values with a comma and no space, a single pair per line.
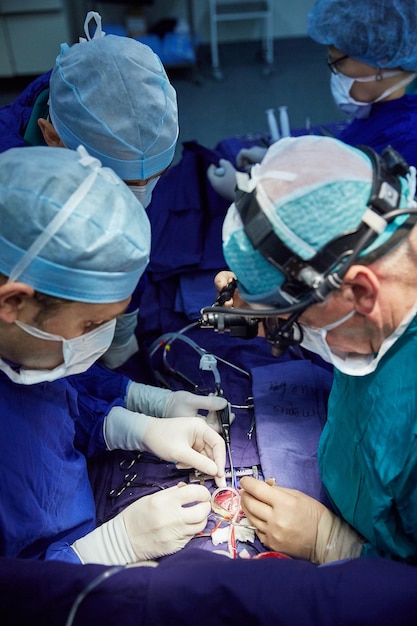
112,95
68,227
312,189
381,33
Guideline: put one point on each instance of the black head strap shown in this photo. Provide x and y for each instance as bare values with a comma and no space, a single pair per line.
385,197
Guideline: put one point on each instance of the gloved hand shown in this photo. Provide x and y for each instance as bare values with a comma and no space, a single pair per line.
221,280
186,404
124,343
212,420
165,403
336,539
289,521
223,179
246,157
186,441
150,527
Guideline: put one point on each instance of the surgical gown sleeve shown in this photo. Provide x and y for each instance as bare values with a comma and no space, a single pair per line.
392,122
14,117
98,389
45,493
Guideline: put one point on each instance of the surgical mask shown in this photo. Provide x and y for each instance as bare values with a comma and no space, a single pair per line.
78,353
144,192
314,339
340,86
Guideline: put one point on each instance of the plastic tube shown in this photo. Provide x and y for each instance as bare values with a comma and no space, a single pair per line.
273,125
284,121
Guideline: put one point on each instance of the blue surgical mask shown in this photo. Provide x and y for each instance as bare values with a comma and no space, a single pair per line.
144,192
78,354
341,85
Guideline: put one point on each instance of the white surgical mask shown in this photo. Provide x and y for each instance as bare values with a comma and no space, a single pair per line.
314,339
144,192
340,86
78,353
351,363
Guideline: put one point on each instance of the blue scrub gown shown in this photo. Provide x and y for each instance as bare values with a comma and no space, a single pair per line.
45,494
393,122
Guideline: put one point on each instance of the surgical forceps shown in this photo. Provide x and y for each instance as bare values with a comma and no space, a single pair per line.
129,479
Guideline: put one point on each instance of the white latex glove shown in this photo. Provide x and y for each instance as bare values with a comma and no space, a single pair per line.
165,403
186,404
186,441
147,399
287,520
213,420
153,526
247,157
336,540
223,179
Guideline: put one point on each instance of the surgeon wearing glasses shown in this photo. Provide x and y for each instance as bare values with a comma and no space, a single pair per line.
372,56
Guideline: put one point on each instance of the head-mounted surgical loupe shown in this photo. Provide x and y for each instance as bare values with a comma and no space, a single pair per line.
307,282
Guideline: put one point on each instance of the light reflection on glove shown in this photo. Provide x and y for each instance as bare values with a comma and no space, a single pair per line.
289,521
223,179
153,526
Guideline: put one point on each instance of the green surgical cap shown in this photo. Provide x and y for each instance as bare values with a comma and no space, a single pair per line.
312,189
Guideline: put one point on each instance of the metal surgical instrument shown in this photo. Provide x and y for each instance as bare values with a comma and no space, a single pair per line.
209,362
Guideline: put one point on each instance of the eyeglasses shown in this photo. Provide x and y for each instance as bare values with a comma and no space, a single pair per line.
332,64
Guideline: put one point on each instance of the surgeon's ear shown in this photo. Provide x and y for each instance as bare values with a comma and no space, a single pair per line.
364,286
12,297
49,133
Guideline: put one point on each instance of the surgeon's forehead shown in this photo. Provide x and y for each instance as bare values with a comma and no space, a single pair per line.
93,312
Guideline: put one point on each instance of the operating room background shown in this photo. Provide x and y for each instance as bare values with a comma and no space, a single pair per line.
211,110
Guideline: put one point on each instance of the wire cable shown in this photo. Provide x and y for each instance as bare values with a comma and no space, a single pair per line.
88,589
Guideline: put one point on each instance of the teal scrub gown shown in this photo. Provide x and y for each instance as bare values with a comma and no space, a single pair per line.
368,451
